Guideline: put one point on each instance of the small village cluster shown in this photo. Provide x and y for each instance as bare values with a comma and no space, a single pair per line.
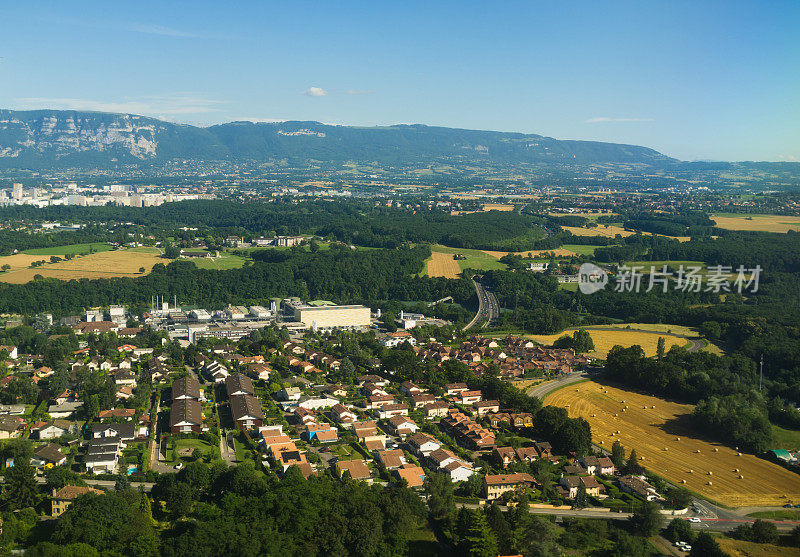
373,429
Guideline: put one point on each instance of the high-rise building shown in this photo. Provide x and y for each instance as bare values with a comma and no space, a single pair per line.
16,191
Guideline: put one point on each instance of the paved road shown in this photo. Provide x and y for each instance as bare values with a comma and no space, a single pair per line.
541,390
488,306
481,313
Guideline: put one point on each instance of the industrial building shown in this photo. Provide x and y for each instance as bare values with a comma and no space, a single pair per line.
327,317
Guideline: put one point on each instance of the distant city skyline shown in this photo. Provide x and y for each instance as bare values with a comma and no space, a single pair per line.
711,80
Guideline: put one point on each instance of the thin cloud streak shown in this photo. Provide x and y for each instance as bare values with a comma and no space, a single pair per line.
158,106
164,31
604,119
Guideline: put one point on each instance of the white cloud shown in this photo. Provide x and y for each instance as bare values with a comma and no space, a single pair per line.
358,92
151,29
602,119
315,92
158,106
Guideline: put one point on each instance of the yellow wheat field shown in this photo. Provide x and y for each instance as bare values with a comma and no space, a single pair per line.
605,340
763,223
661,433
21,260
498,207
105,264
608,230
443,265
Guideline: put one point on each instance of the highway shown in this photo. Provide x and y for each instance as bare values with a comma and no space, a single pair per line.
488,306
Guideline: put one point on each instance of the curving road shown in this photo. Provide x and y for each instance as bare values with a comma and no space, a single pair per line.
541,390
488,306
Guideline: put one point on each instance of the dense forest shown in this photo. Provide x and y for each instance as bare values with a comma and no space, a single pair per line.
359,223
338,274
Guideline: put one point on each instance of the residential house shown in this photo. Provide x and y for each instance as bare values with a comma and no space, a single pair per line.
436,409
342,414
357,469
238,384
470,397
48,454
637,486
423,444
64,410
403,426
410,389
63,498
290,394
485,406
455,388
186,387
186,416
544,449
414,476
246,411
56,429
391,410
495,485
390,460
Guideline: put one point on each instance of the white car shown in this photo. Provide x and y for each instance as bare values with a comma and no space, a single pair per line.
695,520
687,548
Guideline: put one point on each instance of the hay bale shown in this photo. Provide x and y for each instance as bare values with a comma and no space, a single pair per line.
709,483
677,439
716,450
683,481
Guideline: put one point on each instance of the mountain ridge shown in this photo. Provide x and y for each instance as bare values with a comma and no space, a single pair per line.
48,137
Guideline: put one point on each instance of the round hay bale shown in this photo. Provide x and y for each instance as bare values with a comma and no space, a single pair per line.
710,473
691,471
665,448
683,481
577,390
677,439
641,458
716,450
615,415
736,470
617,432
741,477
709,483
697,450
738,454
653,406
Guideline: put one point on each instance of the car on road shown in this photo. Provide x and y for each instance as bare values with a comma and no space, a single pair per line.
694,519
325,450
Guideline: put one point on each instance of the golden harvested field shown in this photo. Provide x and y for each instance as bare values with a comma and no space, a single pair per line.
560,252
21,260
498,207
660,432
443,265
591,216
764,223
738,548
116,263
609,230
605,340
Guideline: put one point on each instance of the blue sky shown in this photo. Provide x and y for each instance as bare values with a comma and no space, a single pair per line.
695,80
